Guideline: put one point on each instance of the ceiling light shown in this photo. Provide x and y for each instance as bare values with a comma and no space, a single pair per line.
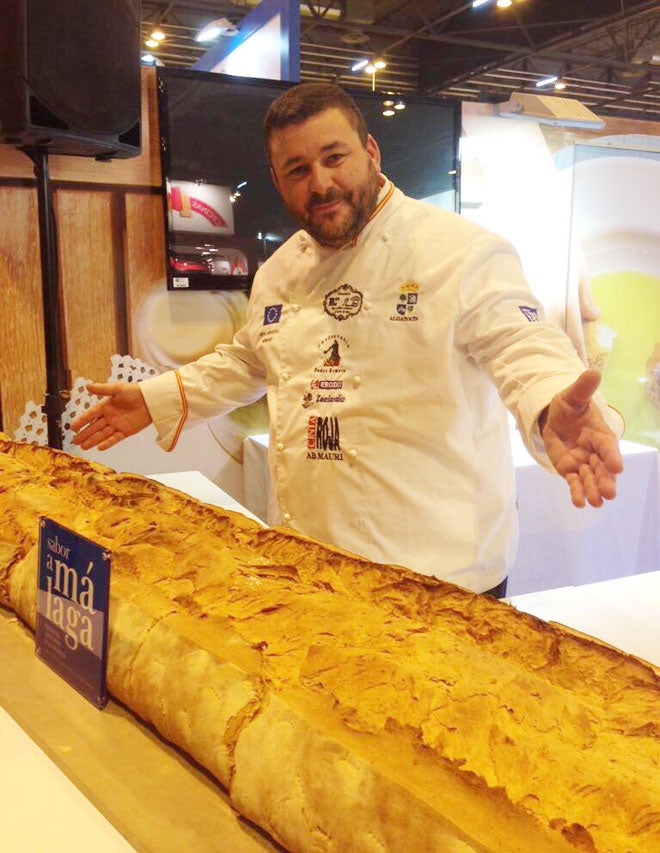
388,112
219,27
157,35
370,68
379,64
150,59
504,4
399,105
151,43
559,85
388,103
360,64
477,3
546,81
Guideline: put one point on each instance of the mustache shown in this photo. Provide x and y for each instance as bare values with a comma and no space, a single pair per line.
331,196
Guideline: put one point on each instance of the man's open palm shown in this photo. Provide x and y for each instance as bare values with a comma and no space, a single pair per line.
121,412
581,446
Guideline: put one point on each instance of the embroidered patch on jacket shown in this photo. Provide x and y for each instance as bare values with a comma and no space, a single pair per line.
531,314
343,302
324,391
272,314
406,304
331,349
323,438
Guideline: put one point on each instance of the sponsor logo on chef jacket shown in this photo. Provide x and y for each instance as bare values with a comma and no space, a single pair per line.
323,438
406,303
343,302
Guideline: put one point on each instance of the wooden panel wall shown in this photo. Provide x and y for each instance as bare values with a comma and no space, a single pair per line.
22,363
111,251
145,250
87,234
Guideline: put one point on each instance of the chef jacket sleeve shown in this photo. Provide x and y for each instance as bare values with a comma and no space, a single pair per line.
502,327
229,377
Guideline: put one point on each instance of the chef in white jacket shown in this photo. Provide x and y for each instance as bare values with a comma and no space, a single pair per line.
383,333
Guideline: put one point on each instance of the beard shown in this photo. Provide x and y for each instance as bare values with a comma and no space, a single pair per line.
337,228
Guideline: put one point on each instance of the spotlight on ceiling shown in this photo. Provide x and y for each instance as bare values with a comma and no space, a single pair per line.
546,81
219,27
150,59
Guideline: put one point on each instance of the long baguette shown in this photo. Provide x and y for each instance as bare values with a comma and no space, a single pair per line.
347,705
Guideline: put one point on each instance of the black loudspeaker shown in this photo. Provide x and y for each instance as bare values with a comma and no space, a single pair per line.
70,76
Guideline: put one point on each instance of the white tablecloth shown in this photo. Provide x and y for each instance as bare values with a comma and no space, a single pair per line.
559,545
41,808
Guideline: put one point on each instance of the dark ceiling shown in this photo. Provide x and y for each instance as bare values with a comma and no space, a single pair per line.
606,51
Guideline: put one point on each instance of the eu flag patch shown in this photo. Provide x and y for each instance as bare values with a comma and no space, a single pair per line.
272,314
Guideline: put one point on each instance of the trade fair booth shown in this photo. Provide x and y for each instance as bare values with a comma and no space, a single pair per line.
204,739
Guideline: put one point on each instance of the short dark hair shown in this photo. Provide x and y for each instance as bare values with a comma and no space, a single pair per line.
305,100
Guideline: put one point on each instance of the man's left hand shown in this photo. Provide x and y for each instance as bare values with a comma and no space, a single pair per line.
582,448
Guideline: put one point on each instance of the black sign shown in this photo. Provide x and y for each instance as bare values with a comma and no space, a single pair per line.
72,608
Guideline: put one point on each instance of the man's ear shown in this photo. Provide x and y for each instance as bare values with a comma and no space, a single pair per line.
373,150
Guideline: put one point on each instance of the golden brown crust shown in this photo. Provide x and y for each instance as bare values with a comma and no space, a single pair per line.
338,699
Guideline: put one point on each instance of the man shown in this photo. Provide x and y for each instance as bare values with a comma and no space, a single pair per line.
402,454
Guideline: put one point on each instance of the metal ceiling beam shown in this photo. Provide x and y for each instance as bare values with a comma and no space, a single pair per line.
513,52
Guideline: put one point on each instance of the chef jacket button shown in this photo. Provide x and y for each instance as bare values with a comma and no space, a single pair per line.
285,377
366,305
286,516
352,452
279,445
295,306
385,237
357,381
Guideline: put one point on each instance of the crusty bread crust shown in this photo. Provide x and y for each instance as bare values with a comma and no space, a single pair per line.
347,705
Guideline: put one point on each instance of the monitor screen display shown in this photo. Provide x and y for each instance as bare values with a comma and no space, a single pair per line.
223,215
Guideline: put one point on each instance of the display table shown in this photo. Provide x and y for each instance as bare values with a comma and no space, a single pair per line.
44,805
560,545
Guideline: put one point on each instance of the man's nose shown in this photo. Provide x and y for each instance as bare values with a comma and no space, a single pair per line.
320,179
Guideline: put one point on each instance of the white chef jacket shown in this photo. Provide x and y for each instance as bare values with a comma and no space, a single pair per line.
382,363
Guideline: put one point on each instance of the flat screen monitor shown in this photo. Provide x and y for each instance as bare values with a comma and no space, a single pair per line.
223,216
